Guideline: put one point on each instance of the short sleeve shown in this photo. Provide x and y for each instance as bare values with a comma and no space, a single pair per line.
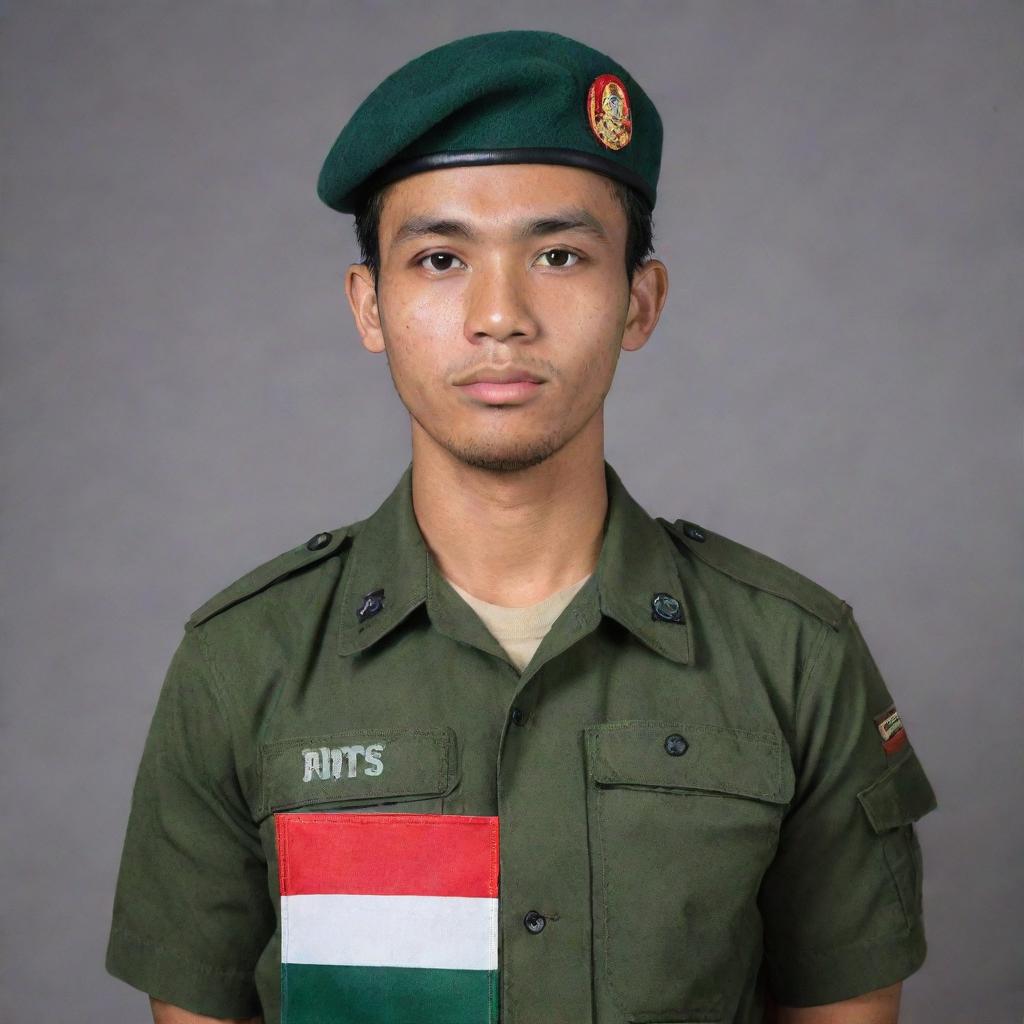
841,901
192,912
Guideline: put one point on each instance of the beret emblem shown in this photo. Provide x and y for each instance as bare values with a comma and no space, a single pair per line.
609,112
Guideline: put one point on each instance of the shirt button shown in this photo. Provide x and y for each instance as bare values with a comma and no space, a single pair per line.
518,716
695,533
534,922
675,744
321,540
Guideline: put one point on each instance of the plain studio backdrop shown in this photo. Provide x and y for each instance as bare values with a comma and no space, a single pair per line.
836,381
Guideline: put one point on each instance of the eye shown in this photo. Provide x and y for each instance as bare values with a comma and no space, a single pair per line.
559,258
440,261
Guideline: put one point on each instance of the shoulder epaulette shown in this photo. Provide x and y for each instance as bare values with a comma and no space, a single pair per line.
266,575
757,570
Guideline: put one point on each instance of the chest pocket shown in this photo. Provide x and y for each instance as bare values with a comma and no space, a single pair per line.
363,770
683,819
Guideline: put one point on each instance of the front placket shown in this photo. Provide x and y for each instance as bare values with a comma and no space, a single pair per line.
545,927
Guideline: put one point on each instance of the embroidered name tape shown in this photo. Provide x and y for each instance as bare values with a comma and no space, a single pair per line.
333,762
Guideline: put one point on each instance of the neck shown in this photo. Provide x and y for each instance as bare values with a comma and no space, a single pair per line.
513,538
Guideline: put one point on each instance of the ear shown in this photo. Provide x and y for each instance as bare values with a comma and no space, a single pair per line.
647,295
362,298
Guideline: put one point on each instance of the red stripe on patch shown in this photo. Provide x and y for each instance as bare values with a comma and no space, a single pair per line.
387,854
895,742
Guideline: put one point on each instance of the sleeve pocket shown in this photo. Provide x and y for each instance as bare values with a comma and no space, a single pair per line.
900,796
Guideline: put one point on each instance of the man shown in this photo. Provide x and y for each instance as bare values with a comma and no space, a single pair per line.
509,748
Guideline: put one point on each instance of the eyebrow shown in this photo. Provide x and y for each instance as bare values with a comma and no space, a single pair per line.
559,220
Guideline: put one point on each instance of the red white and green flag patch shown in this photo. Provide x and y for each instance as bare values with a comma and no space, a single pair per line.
388,918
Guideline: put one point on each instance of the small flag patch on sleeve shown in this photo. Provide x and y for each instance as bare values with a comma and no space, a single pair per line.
388,918
890,728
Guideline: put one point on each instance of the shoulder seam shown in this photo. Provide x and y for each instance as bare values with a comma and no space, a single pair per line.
265,576
809,671
216,679
821,603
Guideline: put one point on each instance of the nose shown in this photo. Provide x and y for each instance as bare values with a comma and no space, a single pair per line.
498,305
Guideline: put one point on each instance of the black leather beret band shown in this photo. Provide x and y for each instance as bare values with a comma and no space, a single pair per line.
539,155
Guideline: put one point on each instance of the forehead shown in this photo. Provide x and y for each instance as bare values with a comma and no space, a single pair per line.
498,194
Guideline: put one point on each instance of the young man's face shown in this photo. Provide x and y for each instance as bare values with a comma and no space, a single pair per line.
502,303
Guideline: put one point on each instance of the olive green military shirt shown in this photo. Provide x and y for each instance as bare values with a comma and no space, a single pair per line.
702,787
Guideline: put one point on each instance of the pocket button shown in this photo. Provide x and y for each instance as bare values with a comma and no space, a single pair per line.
675,744
534,922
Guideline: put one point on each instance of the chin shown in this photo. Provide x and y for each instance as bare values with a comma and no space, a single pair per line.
502,457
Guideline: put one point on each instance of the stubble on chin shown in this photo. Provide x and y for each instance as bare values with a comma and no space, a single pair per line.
498,456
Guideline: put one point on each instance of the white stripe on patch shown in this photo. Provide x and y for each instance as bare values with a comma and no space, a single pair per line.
890,725
448,932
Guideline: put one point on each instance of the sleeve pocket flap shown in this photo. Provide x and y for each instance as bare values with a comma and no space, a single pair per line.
356,766
898,797
715,758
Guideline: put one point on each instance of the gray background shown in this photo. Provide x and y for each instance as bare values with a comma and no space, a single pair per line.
836,381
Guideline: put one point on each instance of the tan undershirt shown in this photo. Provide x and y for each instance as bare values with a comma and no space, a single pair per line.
520,630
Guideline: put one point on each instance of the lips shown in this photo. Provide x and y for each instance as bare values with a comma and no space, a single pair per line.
505,375
509,385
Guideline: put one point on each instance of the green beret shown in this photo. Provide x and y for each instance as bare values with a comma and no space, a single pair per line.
502,97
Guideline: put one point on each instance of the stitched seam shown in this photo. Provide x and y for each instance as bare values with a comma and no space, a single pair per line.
416,820
492,885
284,866
891,860
706,785
217,679
284,744
809,678
606,902
219,705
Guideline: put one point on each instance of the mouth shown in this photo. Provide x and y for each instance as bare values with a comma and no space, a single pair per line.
508,386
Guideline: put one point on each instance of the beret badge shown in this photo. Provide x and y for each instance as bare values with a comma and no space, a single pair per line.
609,112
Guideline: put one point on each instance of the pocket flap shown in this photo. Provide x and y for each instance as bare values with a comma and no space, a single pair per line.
358,766
901,795
715,758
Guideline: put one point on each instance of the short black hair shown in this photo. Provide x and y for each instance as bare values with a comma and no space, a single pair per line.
639,227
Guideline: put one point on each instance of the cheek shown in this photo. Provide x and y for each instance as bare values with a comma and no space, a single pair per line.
435,315
593,323
418,336
595,313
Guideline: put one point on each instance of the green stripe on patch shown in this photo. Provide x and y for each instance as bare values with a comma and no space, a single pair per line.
319,994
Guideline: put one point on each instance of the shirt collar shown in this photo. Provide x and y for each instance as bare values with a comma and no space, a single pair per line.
637,561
